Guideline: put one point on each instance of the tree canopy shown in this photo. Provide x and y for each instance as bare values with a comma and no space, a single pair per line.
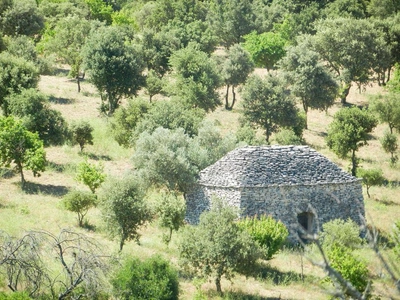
196,78
115,66
349,131
20,147
267,104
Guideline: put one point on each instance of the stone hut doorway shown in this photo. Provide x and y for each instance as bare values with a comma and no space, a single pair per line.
306,220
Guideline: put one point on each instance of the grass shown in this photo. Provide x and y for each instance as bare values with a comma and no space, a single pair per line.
287,276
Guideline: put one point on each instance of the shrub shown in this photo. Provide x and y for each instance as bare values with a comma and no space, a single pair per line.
81,134
267,232
370,178
153,278
79,202
287,137
90,175
351,268
14,296
341,233
390,145
171,211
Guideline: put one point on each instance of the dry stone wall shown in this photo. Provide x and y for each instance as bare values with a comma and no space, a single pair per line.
279,181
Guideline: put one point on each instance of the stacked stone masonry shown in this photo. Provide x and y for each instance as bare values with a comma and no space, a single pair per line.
282,181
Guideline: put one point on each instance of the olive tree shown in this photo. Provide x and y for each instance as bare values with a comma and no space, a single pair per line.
267,104
115,66
217,246
20,147
79,202
168,159
371,177
349,131
124,209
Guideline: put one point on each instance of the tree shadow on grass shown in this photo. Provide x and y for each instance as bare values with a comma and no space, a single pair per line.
7,173
61,100
46,189
277,277
95,156
59,168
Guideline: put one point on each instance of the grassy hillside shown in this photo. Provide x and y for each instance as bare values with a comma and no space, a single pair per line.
287,276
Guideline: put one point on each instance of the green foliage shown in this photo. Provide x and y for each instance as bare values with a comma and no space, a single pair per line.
126,119
235,69
153,278
154,84
70,35
100,10
287,136
231,20
349,131
387,109
266,49
367,47
351,268
115,66
267,105
21,147
17,74
340,233
79,202
14,296
34,109
247,134
24,47
90,175
81,134
371,177
171,210
168,158
211,140
267,232
308,78
390,145
217,247
124,209
21,18
170,115
195,78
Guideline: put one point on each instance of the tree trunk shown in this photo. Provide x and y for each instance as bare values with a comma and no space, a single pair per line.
354,163
218,284
345,92
19,167
369,196
78,81
233,97
227,97
121,244
305,107
267,136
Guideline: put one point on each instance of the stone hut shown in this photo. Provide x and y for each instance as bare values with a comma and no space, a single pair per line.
294,184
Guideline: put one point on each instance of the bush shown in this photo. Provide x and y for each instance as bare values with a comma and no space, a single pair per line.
341,233
287,137
90,175
79,202
14,296
153,278
267,232
81,134
351,268
370,178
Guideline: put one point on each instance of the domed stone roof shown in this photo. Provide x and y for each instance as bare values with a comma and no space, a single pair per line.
273,165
